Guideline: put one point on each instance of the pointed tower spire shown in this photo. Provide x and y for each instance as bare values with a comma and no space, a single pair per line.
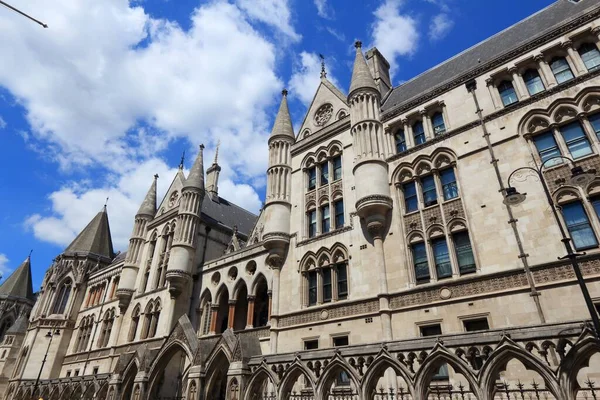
148,206
94,238
182,160
217,152
323,70
196,177
361,76
212,176
283,121
18,284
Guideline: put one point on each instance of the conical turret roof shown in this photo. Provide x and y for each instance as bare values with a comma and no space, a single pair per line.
94,238
196,177
20,325
283,121
148,206
361,76
19,284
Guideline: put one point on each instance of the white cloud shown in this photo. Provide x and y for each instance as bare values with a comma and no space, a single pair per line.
2,123
394,34
4,269
440,26
275,13
307,76
323,9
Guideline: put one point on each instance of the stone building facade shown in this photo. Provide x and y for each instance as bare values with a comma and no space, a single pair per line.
385,263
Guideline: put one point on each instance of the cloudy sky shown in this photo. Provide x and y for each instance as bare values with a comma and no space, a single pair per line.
115,90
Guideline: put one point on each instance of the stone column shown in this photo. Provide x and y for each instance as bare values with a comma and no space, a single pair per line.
408,134
250,317
545,73
496,100
274,304
575,59
319,286
376,230
426,125
214,309
231,315
518,83
270,294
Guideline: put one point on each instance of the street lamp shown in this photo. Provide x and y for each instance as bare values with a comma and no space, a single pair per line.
579,177
49,335
22,13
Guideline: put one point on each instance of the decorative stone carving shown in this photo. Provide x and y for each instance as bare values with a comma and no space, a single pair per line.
324,315
445,293
323,114
173,199
537,124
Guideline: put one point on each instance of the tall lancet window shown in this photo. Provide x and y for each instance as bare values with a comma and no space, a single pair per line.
62,298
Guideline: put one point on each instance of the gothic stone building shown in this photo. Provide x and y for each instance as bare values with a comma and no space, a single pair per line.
387,262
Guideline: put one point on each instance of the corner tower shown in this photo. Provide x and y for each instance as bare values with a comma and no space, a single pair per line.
144,215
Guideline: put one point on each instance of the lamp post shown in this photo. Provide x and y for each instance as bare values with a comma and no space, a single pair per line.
579,177
50,335
22,13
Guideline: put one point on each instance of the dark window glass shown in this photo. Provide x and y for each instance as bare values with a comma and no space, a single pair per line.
324,173
342,379
464,252
449,186
579,226
429,193
577,141
342,281
437,120
561,70
420,262
400,141
547,148
419,133
325,219
312,223
339,213
312,288
442,258
337,168
410,196
340,341
327,291
590,55
595,121
507,93
311,344
596,203
312,178
431,330
479,324
533,81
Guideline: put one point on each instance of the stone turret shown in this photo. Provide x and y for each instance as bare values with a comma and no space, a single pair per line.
183,252
278,206
144,215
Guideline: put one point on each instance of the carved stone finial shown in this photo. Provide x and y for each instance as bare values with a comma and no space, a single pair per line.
358,44
284,92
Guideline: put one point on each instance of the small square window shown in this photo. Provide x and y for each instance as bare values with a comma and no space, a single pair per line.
431,330
76,372
68,373
478,324
340,341
597,305
95,371
311,344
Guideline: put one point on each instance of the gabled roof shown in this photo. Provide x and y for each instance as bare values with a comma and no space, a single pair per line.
326,92
19,284
176,185
534,27
94,238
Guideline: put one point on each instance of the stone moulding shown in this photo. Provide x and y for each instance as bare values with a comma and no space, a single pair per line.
376,198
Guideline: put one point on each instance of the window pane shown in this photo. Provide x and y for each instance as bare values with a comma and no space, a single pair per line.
449,186
429,193
339,214
431,330
400,141
442,258
437,121
464,252
325,219
326,285
579,226
590,56
473,325
576,140
410,196
507,93
337,168
547,148
420,262
533,81
342,281
419,133
312,178
595,121
312,223
312,288
325,173
596,203
561,70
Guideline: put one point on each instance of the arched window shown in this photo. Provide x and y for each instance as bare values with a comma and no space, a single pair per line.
135,320
419,133
62,298
206,316
147,321
561,69
507,93
154,320
327,282
400,141
533,81
419,256
590,55
107,324
578,225
439,126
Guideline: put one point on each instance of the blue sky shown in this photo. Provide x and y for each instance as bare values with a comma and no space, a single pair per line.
114,91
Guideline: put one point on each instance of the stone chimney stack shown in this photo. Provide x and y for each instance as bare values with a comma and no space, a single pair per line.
380,69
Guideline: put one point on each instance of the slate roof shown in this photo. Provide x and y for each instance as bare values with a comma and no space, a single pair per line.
531,28
20,325
19,284
94,238
228,214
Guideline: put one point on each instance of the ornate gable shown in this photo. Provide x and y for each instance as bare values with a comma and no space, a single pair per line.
328,106
171,199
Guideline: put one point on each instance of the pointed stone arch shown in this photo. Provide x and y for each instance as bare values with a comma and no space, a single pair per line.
438,356
564,111
291,375
309,261
506,351
576,358
256,281
336,365
240,284
217,366
380,364
256,384
566,194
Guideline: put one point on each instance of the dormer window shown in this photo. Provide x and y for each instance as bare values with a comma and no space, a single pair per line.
400,141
